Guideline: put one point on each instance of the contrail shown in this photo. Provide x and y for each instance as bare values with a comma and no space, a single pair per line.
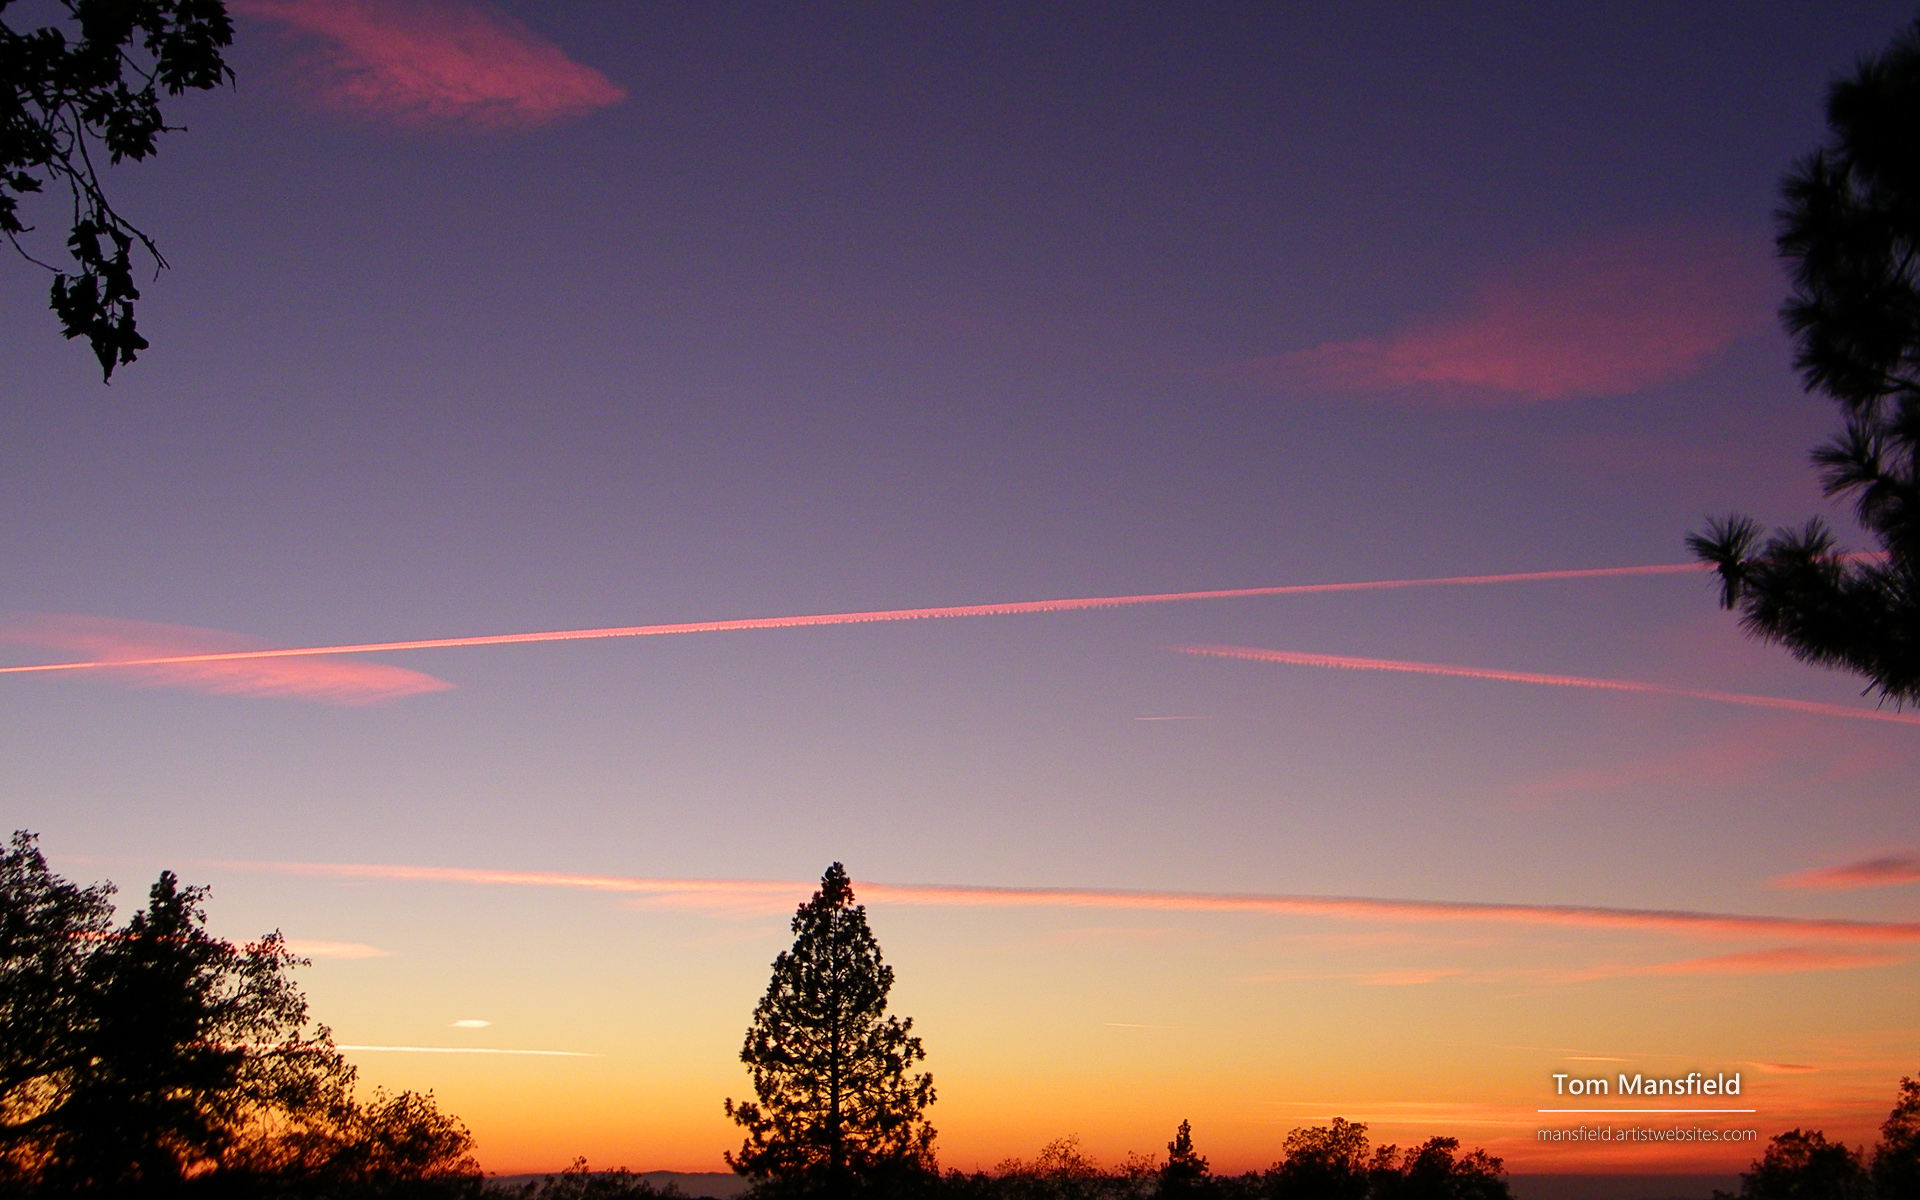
1349,663
1010,608
1683,923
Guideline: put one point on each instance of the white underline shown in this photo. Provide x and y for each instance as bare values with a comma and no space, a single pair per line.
1647,1110
470,1050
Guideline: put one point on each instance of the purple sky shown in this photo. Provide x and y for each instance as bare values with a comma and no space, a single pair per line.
488,320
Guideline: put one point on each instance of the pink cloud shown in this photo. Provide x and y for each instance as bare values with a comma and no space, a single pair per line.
1004,609
1780,960
1347,662
421,62
1769,750
725,892
126,650
1601,317
1886,871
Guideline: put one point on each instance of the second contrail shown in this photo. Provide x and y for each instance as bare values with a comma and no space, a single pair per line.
1348,662
1010,608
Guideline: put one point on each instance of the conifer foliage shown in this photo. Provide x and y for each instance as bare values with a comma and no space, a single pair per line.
837,1104
1186,1169
1850,229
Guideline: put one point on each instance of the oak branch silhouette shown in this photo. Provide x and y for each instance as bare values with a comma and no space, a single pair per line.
1850,229
72,96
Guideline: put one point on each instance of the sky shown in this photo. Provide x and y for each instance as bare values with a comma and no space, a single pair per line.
491,319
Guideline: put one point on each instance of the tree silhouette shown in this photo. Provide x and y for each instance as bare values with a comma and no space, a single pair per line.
133,1059
1186,1170
1850,227
1434,1170
1896,1161
172,1016
1323,1162
65,104
835,1106
1804,1165
48,927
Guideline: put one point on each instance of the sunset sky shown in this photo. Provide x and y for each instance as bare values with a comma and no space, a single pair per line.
643,318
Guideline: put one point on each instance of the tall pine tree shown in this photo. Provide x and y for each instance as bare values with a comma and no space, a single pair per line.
836,1107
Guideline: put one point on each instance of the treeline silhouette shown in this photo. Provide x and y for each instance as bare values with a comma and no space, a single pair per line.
1802,1164
1331,1162
148,1059
1323,1162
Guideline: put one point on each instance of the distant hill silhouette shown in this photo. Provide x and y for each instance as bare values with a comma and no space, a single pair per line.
1620,1187
695,1185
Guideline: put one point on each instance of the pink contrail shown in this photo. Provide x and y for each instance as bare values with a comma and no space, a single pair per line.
1693,924
1886,871
1011,608
1350,663
109,639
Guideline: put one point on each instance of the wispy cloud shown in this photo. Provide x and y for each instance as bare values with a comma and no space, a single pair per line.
1886,871
1345,662
1605,316
1785,748
1779,960
312,949
210,660
1408,976
1009,608
470,1023
1669,922
420,62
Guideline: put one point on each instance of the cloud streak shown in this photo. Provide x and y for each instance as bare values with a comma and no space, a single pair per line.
1010,608
1345,662
431,62
1888,870
732,891
210,660
1601,317
1779,960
